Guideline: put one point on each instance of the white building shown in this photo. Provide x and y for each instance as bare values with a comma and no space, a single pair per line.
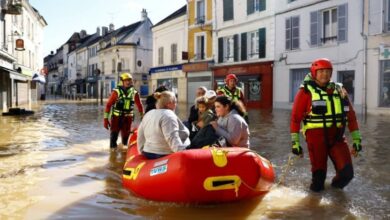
22,36
307,30
244,45
126,49
377,71
170,37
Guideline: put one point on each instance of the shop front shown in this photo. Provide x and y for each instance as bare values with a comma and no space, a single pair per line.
255,80
172,77
198,74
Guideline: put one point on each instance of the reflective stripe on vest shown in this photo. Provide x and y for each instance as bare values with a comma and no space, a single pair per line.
334,115
125,104
235,96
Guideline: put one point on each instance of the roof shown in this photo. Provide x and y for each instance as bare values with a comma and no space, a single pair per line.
182,11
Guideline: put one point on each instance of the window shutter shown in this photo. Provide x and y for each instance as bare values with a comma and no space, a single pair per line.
243,46
235,38
342,20
295,32
227,10
262,5
250,7
288,34
314,27
202,48
262,41
220,50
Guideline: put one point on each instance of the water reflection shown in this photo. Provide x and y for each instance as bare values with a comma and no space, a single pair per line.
56,164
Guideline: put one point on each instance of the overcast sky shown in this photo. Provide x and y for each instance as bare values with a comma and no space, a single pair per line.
65,17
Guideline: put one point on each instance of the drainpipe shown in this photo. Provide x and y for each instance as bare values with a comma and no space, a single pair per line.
364,35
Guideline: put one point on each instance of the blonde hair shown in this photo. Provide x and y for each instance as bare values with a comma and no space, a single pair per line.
164,98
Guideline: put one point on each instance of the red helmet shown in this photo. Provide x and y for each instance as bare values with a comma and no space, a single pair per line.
231,76
319,64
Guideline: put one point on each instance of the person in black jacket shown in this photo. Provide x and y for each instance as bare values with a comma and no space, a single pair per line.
151,100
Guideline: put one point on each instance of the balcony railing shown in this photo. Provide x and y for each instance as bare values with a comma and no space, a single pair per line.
200,20
328,39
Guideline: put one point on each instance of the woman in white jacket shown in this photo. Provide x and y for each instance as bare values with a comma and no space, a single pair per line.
161,132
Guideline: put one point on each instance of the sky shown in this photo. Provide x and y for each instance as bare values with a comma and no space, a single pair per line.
64,17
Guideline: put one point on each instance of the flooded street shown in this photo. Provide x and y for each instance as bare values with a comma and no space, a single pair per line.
56,164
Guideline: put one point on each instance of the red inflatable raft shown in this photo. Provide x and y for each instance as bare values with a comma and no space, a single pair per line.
198,176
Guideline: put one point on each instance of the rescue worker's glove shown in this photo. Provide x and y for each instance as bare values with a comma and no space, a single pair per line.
357,143
106,123
296,147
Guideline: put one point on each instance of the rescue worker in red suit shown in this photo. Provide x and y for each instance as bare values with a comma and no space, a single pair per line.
231,90
121,105
325,110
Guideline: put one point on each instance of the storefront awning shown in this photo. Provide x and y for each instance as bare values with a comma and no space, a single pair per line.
15,75
24,70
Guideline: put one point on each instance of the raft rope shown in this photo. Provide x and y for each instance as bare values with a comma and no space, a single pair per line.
285,168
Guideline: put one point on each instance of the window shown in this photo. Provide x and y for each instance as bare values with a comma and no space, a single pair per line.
173,53
329,18
199,55
228,12
255,5
103,68
387,16
347,78
384,96
161,55
292,33
228,49
297,76
329,26
200,12
289,1
253,44
113,62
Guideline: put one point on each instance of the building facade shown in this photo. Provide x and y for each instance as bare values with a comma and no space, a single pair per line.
307,30
244,42
377,71
170,37
21,53
200,46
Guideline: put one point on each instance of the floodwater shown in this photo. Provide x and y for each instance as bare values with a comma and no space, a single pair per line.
56,164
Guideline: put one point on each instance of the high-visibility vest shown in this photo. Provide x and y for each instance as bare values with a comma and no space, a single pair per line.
235,96
333,108
125,104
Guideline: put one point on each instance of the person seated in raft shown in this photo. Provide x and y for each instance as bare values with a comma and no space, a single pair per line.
205,115
230,124
161,132
151,101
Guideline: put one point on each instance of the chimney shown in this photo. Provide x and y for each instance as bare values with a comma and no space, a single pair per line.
104,30
144,15
83,33
98,31
111,27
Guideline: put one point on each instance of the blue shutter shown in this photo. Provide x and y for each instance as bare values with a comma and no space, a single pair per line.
250,7
288,34
295,32
262,5
314,27
262,43
342,21
220,50
243,46
235,38
227,10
